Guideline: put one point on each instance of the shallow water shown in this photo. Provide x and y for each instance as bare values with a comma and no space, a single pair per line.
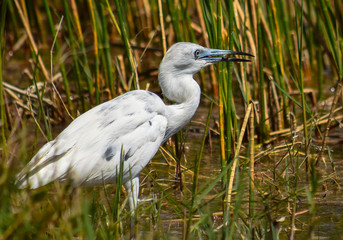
327,219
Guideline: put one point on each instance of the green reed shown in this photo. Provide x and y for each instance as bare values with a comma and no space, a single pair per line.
42,112
57,48
196,174
336,51
262,94
78,80
126,40
2,99
106,50
116,203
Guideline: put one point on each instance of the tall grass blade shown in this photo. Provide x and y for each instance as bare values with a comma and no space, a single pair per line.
126,40
92,10
40,97
3,115
301,86
252,173
196,174
31,39
116,203
333,42
106,50
264,130
57,48
334,47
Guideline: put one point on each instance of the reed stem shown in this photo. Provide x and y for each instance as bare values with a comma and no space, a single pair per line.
3,123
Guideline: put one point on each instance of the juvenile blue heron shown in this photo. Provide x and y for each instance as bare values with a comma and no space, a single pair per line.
130,127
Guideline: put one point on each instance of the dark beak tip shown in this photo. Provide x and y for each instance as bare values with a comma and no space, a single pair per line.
235,60
240,59
242,54
248,54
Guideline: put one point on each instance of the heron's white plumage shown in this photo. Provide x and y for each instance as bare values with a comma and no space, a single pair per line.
133,125
88,151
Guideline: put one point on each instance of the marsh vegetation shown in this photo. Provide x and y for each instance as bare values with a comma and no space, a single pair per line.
262,158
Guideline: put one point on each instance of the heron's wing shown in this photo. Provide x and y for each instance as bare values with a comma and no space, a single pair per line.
89,149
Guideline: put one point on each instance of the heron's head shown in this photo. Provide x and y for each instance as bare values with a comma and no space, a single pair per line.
190,58
182,61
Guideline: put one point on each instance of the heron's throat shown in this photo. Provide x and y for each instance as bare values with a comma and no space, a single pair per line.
180,88
186,93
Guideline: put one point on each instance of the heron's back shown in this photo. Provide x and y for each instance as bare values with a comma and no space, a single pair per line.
88,151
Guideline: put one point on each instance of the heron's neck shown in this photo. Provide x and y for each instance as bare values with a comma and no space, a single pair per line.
185,91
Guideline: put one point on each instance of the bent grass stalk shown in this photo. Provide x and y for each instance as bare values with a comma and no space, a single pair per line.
236,156
51,71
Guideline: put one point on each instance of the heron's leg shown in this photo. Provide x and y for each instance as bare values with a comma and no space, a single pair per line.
132,189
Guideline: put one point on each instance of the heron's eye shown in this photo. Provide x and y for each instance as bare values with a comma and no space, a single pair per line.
197,54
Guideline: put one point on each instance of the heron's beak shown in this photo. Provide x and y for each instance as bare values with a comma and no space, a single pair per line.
218,55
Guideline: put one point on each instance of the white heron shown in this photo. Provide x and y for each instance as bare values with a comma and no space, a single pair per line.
130,127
